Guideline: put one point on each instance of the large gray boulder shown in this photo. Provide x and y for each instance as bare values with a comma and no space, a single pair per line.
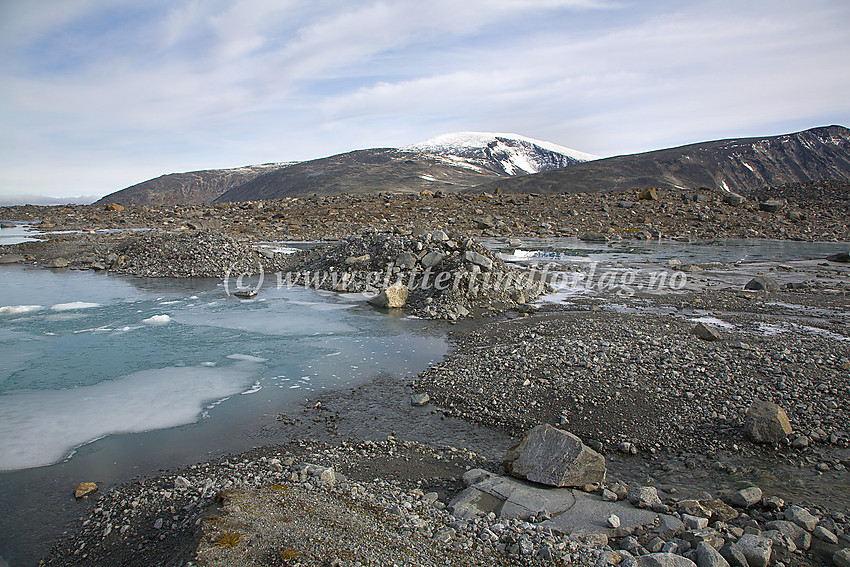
549,455
756,549
766,422
663,560
393,297
762,283
707,556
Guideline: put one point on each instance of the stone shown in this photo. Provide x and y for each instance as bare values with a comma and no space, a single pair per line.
480,260
474,476
766,422
115,207
439,236
419,400
745,497
7,225
841,558
393,297
801,517
510,498
707,556
593,237
57,263
357,260
733,199
842,257
720,511
644,496
663,560
756,549
431,259
824,534
772,205
762,283
182,483
549,455
406,260
734,555
694,522
325,475
669,527
648,194
11,258
609,496
84,489
614,521
706,332
800,537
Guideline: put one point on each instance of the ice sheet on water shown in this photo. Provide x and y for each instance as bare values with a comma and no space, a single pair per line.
74,305
157,320
41,427
17,309
246,358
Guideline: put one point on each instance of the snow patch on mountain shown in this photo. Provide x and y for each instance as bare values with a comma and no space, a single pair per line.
511,154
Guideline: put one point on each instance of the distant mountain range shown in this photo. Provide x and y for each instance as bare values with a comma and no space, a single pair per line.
481,161
194,187
738,165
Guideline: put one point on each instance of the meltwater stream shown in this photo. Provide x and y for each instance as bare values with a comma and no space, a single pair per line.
105,377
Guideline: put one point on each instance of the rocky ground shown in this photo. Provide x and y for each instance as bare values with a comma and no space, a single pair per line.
628,375
815,211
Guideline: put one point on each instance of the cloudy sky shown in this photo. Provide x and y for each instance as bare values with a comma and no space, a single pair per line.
96,95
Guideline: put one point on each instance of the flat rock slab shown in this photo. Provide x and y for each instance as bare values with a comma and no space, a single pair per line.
590,514
572,511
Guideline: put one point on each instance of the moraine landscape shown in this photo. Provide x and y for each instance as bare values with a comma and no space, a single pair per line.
478,349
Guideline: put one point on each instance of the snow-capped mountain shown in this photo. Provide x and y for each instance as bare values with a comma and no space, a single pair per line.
509,154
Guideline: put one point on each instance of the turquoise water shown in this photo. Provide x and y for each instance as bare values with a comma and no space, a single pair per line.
87,356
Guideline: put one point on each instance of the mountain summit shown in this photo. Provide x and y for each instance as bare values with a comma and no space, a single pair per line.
507,154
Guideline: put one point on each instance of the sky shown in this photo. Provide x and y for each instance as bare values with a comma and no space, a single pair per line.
97,95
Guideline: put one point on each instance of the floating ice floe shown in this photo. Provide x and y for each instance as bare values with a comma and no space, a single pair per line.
157,320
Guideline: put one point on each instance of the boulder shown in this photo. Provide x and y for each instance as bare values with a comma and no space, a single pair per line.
419,400
843,257
800,537
431,259
841,558
593,237
84,489
406,260
766,422
663,560
733,199
756,549
745,497
762,283
57,263
644,496
720,512
801,517
707,556
480,260
733,555
706,332
648,194
393,297
114,207
549,455
474,476
772,205
11,258
357,260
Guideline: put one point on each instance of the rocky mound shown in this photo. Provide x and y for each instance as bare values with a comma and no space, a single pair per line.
203,254
433,275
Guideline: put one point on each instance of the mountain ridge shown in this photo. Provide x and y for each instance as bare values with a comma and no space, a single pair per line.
733,164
